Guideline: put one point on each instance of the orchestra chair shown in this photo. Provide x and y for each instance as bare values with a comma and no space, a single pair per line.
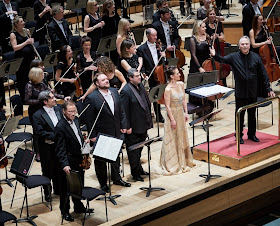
76,189
43,50
259,99
20,136
21,167
76,42
7,57
5,217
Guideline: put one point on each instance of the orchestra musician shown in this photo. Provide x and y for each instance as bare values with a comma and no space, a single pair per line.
58,28
137,109
202,12
22,45
123,33
163,4
42,15
44,123
8,11
68,144
248,12
248,70
93,24
167,30
151,55
111,121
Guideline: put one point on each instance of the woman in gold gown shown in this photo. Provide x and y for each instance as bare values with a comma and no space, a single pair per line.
176,156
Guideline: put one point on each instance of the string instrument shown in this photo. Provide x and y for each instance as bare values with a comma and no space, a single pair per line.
273,24
270,58
78,83
86,163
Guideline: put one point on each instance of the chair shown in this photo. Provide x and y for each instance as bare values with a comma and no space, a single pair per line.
5,216
75,189
76,42
259,99
21,167
7,57
43,50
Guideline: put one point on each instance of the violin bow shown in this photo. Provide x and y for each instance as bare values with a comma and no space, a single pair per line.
83,111
64,74
184,21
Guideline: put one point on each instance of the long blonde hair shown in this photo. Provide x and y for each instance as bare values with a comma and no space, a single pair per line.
122,23
196,27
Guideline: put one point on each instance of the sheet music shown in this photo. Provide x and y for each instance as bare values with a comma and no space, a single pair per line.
107,147
208,91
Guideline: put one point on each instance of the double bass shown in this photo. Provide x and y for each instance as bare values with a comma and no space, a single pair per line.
273,24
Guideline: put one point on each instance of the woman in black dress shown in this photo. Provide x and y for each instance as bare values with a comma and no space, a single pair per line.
84,62
42,14
65,61
22,46
129,58
93,24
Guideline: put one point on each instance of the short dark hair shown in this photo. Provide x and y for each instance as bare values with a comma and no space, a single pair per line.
159,3
95,79
44,95
131,71
36,63
163,10
85,39
67,103
170,71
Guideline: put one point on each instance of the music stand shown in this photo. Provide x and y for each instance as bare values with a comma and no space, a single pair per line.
107,44
275,12
107,148
148,11
50,61
172,61
27,14
202,119
229,14
276,37
147,143
10,127
155,95
138,35
10,68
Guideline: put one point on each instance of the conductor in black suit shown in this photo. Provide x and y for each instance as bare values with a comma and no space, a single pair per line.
151,55
167,30
8,10
137,108
111,121
248,12
68,142
58,28
44,122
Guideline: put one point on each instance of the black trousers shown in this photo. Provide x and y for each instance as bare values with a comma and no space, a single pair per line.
182,5
101,171
240,102
64,200
135,155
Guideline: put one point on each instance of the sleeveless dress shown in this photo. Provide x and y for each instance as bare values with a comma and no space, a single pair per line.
176,155
96,34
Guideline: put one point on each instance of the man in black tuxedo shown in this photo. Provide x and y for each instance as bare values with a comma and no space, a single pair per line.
58,28
163,4
68,144
137,109
151,55
167,30
44,123
248,12
8,10
111,121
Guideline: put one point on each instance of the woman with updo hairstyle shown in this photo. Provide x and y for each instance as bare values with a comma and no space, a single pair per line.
115,77
176,156
93,24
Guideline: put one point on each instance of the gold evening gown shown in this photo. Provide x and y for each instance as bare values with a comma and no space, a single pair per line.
176,156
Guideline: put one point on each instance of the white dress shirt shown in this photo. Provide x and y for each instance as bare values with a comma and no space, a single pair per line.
256,8
52,115
9,8
109,99
59,22
75,130
166,30
153,50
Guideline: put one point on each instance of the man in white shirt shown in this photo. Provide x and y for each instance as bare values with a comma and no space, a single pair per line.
44,123
248,12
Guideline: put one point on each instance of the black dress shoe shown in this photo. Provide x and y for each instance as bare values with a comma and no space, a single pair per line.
241,140
67,217
254,138
47,198
122,183
161,119
105,188
183,13
144,173
138,178
84,210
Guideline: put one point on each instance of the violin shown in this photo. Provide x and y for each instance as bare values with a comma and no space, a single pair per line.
4,162
86,162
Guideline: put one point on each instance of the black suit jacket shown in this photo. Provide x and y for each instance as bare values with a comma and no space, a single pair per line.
175,38
56,35
38,8
68,148
136,115
107,122
6,23
247,17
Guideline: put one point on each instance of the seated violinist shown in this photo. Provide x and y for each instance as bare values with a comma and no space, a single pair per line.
167,30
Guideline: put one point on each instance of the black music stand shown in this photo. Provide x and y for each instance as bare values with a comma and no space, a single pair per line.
107,44
206,118
148,11
107,148
10,68
138,35
10,127
27,14
50,61
147,143
274,13
230,14
155,95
